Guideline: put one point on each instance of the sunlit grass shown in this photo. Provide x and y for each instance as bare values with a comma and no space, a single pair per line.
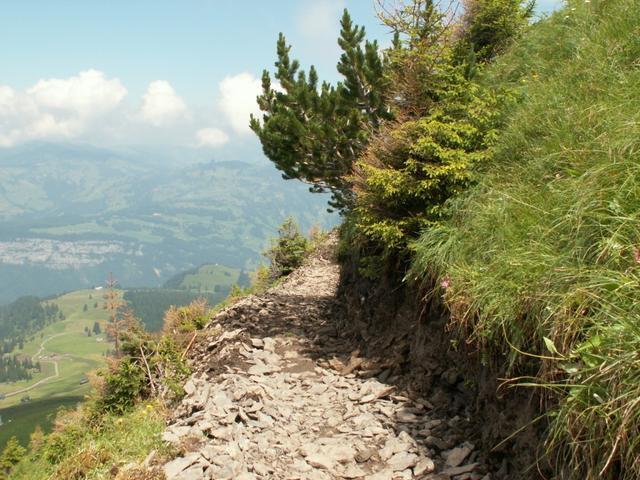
541,260
79,448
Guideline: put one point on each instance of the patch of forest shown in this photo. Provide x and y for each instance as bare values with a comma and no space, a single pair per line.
13,368
24,317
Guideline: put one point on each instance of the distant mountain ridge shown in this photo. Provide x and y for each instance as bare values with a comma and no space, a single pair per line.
57,200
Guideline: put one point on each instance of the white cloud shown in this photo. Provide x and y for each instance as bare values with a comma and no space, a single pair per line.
211,137
238,99
87,94
57,108
161,105
93,107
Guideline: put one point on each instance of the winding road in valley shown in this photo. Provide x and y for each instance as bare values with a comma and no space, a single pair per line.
35,358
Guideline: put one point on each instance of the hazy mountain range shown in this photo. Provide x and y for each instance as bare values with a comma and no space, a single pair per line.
73,213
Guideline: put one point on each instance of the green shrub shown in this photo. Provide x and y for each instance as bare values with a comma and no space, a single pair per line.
489,26
445,125
124,386
169,367
151,365
288,250
187,318
412,168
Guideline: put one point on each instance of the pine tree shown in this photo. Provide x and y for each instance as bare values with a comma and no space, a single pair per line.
314,132
488,26
11,455
287,251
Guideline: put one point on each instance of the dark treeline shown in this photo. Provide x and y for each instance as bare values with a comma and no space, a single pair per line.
22,318
13,368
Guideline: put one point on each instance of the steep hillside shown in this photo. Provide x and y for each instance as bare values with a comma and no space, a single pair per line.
212,278
481,318
487,165
540,262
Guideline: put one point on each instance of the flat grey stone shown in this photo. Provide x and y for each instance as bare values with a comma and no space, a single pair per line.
351,471
424,466
457,455
192,473
392,446
402,461
364,455
189,387
174,467
319,460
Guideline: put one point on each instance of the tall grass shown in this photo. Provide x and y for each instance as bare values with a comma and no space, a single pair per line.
84,448
541,262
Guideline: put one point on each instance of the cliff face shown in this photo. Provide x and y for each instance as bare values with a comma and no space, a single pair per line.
307,381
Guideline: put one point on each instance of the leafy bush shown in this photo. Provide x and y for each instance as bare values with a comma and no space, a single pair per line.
288,250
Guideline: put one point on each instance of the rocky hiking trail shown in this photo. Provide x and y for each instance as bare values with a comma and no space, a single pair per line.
279,393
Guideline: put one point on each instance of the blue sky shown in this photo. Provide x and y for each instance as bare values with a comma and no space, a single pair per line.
121,72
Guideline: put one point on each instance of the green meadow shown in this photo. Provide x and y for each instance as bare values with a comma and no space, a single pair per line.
208,278
66,355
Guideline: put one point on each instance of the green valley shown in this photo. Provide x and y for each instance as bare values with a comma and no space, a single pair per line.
81,212
67,354
69,348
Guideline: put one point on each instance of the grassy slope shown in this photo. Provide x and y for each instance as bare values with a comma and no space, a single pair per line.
21,420
77,354
207,277
542,258
90,451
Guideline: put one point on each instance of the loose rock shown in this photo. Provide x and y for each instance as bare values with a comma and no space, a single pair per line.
279,393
